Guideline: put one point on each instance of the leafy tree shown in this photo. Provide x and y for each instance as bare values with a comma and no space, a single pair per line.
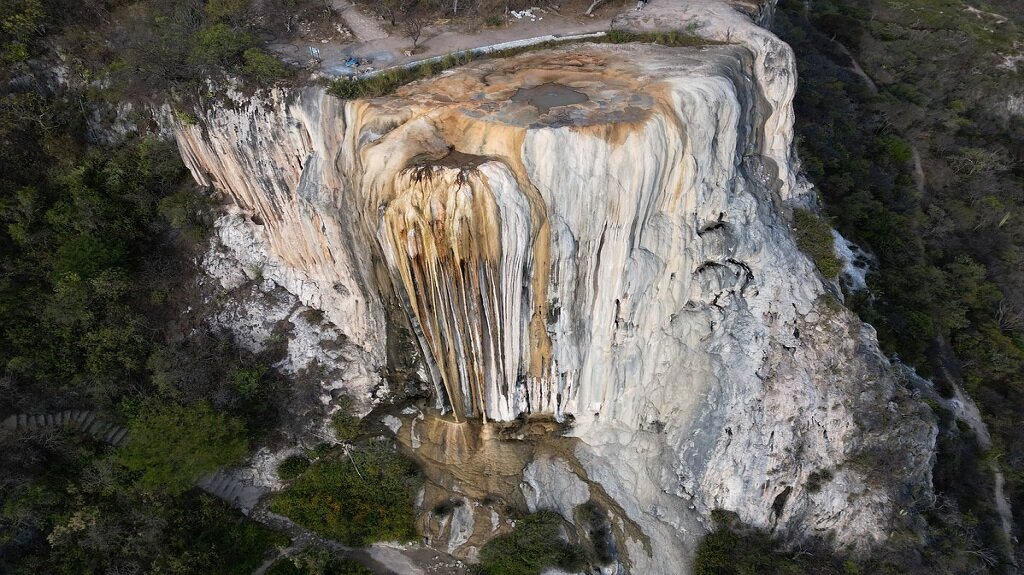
171,446
262,66
221,45
232,11
292,467
21,21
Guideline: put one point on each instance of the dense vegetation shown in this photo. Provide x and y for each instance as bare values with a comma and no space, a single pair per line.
359,496
69,507
947,293
534,545
814,236
98,232
172,445
733,549
139,49
292,467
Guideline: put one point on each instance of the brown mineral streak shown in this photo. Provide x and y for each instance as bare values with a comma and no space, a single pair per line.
435,211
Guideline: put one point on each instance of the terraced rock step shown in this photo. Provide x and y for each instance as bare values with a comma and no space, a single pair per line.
87,421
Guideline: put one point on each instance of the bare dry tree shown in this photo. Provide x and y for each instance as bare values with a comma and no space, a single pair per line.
390,9
593,6
412,27
1009,317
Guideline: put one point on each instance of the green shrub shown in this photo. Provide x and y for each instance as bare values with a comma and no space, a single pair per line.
220,45
814,236
534,545
292,467
619,36
818,479
674,38
248,381
726,552
894,149
262,66
600,539
87,254
171,446
344,88
346,426
188,212
215,538
357,499
227,10
313,316
186,117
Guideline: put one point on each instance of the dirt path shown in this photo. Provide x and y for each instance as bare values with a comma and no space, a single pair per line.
377,48
855,67
438,42
964,409
365,28
918,170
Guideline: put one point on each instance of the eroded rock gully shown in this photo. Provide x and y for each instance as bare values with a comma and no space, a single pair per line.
620,264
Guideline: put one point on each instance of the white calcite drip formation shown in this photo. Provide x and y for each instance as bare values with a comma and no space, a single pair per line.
453,247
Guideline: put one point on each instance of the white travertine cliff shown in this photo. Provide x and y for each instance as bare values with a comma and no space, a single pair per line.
599,234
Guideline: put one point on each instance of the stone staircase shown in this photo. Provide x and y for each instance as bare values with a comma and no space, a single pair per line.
87,422
233,487
227,484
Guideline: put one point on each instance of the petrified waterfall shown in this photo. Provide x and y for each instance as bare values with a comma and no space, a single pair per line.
461,255
599,234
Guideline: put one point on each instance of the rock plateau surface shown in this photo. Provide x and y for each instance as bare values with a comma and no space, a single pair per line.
597,235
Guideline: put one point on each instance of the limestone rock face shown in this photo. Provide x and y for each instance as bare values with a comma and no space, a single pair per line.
595,233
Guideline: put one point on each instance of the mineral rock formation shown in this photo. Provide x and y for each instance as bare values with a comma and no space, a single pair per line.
597,233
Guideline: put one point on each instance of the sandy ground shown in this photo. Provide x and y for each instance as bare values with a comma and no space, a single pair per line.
376,45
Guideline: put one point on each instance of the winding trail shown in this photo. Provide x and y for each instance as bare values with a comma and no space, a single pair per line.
365,28
966,410
919,178
224,484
